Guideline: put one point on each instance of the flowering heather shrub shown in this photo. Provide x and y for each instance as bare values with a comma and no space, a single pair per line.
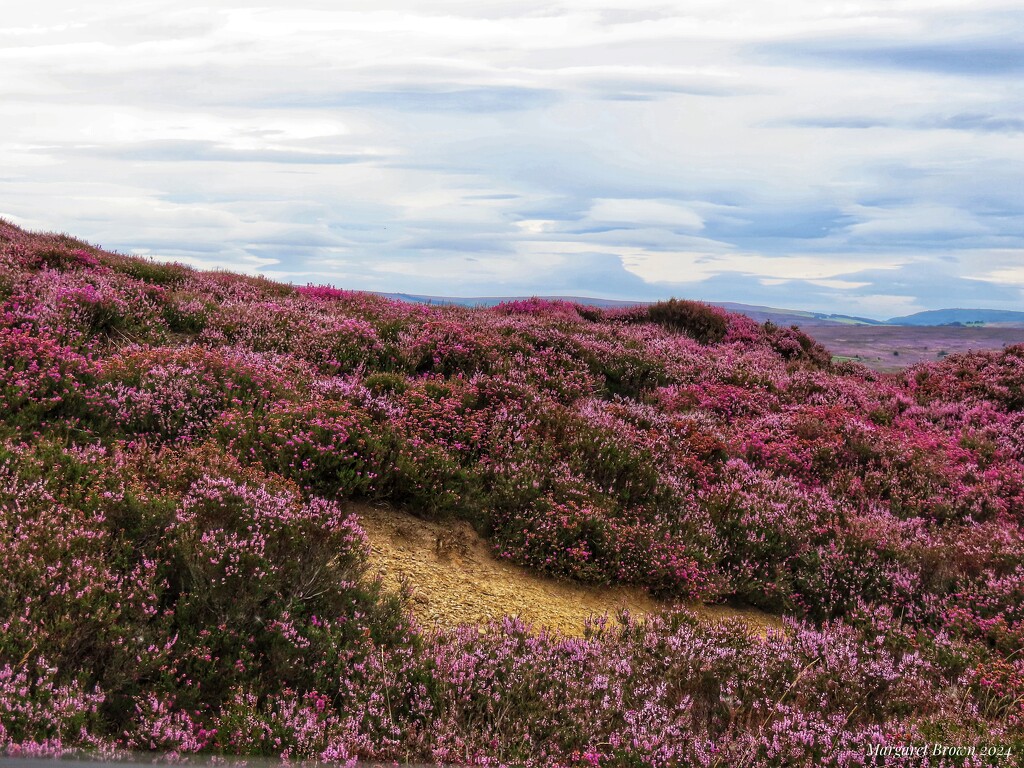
536,307
230,533
74,590
252,568
447,347
794,344
326,448
180,572
998,377
91,308
57,252
41,379
675,692
38,716
170,393
224,287
335,344
185,313
153,272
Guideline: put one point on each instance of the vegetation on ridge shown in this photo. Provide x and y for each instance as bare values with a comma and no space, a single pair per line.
180,573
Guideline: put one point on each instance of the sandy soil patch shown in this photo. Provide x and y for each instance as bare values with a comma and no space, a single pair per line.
456,580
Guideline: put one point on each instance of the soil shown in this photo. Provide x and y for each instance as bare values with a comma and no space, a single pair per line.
455,579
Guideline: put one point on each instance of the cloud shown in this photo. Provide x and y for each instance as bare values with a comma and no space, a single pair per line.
697,266
915,221
853,122
630,86
204,152
968,58
973,121
426,99
863,156
640,213
1001,267
980,122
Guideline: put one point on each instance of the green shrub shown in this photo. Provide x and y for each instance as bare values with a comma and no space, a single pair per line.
703,322
386,383
154,272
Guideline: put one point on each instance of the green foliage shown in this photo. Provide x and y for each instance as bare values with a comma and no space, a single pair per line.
187,312
386,383
154,272
703,322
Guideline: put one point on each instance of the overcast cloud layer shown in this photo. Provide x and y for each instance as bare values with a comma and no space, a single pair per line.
864,158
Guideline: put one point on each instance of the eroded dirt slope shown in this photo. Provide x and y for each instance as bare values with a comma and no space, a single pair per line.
455,579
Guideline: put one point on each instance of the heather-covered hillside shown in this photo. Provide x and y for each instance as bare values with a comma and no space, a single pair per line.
180,572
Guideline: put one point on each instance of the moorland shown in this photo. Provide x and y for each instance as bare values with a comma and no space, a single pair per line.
183,568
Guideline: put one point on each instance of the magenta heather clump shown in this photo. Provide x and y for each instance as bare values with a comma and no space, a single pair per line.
181,572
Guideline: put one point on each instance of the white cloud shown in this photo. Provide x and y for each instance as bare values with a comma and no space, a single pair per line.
1000,266
690,267
502,141
640,213
913,220
839,285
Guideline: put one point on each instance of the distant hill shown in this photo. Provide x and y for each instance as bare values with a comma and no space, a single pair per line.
794,316
961,316
760,314
777,315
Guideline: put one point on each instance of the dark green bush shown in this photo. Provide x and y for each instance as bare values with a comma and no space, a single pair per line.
703,322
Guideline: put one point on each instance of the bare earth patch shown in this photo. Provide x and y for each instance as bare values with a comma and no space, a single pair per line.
456,580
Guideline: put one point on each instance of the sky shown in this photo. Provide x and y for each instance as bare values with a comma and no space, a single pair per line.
863,158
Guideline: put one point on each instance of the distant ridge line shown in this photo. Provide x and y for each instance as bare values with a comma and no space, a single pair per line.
935,317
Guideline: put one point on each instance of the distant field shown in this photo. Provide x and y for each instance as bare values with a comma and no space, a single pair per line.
891,348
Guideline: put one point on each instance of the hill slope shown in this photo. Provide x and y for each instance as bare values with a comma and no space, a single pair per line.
181,571
963,316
